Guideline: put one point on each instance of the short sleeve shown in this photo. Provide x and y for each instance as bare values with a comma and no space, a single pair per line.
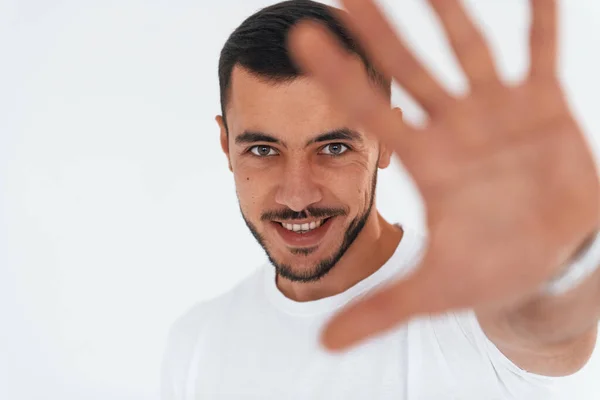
168,387
513,381
179,353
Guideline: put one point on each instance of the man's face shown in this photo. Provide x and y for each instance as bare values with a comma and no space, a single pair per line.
305,177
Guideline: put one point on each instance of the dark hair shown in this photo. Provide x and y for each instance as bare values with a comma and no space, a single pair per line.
259,45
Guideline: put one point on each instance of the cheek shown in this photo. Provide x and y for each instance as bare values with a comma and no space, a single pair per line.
350,185
251,189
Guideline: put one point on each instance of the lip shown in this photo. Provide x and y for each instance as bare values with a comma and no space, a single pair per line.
309,239
301,221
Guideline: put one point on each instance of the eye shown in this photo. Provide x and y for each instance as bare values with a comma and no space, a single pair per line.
263,150
335,149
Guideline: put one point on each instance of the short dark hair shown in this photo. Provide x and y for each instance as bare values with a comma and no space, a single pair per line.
259,45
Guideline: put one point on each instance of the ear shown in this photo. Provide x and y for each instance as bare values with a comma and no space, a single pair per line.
385,154
224,139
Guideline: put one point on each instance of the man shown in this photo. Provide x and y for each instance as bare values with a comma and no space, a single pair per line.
511,193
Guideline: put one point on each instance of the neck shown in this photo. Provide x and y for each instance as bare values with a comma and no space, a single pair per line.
372,248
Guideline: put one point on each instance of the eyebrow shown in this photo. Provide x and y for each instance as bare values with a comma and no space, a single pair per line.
253,137
337,134
248,137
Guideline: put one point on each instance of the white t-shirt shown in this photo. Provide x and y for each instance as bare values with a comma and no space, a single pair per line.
255,343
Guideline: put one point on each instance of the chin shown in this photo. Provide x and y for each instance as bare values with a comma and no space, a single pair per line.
300,257
304,272
299,267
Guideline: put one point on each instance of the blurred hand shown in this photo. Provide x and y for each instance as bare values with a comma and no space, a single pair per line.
508,181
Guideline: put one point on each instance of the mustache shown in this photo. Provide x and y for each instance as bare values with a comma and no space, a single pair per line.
290,215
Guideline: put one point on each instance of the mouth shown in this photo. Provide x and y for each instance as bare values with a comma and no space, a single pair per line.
304,227
305,234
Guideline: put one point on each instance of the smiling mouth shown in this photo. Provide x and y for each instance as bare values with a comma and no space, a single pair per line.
305,227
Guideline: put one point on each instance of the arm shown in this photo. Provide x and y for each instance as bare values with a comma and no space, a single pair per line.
497,190
548,335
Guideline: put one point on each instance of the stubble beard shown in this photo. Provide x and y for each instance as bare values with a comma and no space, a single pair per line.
323,267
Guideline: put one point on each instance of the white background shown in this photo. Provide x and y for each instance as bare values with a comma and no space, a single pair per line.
117,210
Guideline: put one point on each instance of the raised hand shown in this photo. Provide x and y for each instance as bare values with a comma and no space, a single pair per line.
509,183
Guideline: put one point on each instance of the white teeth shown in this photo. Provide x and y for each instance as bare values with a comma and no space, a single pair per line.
302,227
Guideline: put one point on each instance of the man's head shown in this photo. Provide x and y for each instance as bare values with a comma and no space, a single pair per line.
305,176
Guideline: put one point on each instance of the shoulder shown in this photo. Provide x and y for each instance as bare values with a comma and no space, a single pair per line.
461,341
190,327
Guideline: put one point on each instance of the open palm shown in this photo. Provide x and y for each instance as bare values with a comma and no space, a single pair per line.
508,181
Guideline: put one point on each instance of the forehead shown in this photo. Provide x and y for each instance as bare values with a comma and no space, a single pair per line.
298,108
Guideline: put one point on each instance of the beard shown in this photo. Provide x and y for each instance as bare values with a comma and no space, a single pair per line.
322,267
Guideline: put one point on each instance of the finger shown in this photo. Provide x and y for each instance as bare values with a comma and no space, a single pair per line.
317,52
390,55
543,39
421,293
468,44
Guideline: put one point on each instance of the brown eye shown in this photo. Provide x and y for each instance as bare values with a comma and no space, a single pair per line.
263,151
335,149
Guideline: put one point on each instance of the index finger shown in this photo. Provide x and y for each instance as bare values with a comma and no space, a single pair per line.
383,45
317,52
543,39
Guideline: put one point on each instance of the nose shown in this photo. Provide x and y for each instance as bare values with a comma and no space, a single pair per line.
298,188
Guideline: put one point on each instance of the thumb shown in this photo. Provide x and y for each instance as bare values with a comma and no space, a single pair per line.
420,293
